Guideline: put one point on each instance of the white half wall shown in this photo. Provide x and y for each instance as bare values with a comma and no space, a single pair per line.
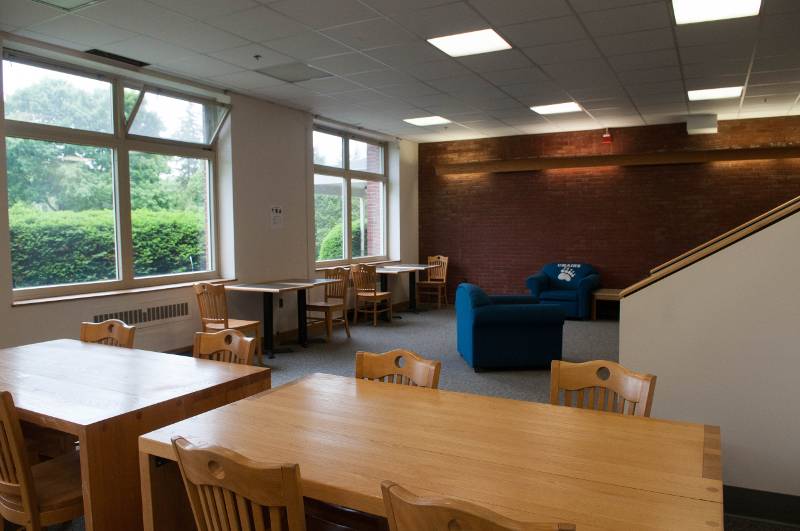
723,337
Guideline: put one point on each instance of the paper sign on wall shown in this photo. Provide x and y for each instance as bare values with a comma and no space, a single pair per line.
276,217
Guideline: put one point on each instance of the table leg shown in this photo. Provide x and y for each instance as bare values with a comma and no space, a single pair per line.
385,287
269,342
165,505
594,309
302,323
412,291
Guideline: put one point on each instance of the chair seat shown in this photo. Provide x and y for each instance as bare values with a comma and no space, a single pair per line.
431,283
235,324
559,295
322,306
380,295
57,483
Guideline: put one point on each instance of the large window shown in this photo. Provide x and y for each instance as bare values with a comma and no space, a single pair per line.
349,197
109,181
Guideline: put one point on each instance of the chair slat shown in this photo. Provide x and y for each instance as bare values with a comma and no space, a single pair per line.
398,366
230,346
275,519
112,332
244,513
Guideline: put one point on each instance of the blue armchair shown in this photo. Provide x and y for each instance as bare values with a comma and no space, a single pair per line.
506,331
568,285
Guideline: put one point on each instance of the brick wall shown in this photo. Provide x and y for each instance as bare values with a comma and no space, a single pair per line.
499,228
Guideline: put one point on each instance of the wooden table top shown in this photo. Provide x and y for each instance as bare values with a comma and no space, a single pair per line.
526,460
67,383
280,286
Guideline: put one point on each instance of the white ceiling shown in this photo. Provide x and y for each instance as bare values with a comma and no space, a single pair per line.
624,61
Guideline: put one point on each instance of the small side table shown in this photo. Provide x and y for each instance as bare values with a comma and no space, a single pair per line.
605,294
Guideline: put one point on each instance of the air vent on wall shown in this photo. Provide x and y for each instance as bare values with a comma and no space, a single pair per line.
149,314
115,57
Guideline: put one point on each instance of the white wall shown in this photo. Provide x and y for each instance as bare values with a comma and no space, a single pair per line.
723,337
264,159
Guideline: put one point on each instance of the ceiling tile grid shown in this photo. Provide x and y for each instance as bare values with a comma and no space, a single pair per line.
624,61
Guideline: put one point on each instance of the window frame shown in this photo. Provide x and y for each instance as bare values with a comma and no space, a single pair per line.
348,175
121,144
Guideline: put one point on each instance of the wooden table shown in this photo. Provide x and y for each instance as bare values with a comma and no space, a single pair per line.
397,269
526,460
107,397
268,289
605,294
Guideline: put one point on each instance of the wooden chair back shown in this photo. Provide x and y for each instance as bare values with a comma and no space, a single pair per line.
229,492
212,304
399,367
16,479
230,346
438,273
111,332
408,512
337,290
365,278
602,385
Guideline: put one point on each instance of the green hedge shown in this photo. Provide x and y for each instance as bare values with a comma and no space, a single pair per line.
331,246
64,247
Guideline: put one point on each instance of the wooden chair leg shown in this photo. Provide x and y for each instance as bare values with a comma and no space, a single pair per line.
259,347
355,313
375,313
389,302
329,324
438,298
346,324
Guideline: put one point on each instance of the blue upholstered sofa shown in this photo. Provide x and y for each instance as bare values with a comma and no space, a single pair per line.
508,331
567,285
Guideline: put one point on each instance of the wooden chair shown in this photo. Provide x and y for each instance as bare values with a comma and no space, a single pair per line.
229,492
408,512
399,367
230,346
364,280
436,281
35,496
214,313
602,385
111,332
335,301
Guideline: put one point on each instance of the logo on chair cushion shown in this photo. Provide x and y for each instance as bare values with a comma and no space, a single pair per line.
567,272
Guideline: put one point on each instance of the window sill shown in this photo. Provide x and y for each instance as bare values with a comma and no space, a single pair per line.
113,293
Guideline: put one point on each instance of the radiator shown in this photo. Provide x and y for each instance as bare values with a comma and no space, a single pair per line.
148,314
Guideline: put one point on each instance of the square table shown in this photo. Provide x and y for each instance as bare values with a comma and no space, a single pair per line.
268,289
525,460
108,396
396,269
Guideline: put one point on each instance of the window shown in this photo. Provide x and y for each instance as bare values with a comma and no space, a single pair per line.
349,197
97,203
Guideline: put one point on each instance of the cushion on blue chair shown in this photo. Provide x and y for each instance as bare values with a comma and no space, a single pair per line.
570,285
559,295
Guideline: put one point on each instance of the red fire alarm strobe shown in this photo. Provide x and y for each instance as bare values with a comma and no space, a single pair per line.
607,137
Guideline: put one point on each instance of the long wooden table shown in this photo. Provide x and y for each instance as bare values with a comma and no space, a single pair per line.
526,460
107,397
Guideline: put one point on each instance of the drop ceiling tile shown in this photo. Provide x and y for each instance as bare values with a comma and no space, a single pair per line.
540,90
201,66
583,6
664,108
23,13
654,119
406,54
583,74
647,89
640,41
82,30
491,62
663,98
437,21
503,78
409,89
605,103
360,96
612,90
714,106
50,40
203,38
307,45
347,64
392,7
541,32
205,9
650,75
709,53
496,105
445,109
245,80
620,121
440,69
732,30
776,103
324,14
515,11
381,78
245,56
484,101
771,7
329,85
148,50
644,60
258,24
137,16
712,81
776,62
776,88
722,68
455,84
371,34
640,17
562,52
776,76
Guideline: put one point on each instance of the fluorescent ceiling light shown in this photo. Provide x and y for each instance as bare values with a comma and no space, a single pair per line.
427,120
691,11
715,93
557,108
470,43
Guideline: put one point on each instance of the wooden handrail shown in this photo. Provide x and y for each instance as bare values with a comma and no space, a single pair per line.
638,159
741,227
717,244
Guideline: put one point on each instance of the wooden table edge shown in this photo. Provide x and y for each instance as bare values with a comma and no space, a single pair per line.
712,453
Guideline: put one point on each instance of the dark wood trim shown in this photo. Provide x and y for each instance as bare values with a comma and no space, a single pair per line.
762,505
638,159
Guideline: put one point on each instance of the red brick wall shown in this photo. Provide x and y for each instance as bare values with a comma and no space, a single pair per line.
499,228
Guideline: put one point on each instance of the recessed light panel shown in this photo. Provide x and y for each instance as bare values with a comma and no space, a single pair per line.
470,43
68,5
427,120
715,93
557,108
691,11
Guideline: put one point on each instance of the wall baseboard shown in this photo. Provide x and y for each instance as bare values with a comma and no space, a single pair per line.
762,505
